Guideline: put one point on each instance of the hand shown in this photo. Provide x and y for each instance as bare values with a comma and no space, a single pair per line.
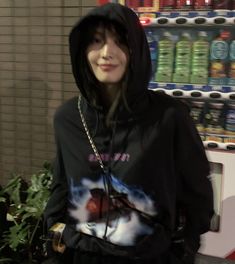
57,231
58,246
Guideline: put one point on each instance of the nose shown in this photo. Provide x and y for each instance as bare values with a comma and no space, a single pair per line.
109,49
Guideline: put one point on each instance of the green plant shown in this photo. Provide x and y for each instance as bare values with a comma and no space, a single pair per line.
22,240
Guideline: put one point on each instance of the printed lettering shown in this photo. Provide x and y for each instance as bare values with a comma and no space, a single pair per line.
124,157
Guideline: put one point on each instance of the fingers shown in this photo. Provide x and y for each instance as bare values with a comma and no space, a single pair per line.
58,247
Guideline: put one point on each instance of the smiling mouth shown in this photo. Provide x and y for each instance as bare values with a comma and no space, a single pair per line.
107,67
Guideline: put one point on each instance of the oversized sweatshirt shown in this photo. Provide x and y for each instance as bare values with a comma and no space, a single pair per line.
156,170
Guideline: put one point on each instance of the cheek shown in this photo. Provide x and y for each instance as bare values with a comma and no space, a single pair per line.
125,59
125,62
91,59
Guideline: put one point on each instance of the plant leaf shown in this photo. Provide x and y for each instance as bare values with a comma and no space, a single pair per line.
2,199
13,189
26,227
17,235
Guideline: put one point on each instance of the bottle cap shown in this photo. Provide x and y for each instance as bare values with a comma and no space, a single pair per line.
167,34
186,34
202,34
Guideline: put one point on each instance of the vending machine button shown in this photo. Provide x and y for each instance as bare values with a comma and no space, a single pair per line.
181,21
215,95
200,20
230,147
232,96
177,93
196,94
212,145
219,20
162,21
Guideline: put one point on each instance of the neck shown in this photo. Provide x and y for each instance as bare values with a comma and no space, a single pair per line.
108,94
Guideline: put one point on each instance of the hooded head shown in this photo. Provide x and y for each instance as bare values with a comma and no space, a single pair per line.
126,25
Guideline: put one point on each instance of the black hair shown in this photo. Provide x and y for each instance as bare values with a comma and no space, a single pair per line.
90,82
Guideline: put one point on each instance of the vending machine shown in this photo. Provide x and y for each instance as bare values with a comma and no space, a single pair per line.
192,47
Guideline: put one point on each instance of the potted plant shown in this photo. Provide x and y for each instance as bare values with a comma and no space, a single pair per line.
23,205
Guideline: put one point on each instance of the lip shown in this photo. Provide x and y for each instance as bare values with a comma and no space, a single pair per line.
107,67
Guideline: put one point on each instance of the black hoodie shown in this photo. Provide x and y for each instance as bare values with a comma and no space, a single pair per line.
156,164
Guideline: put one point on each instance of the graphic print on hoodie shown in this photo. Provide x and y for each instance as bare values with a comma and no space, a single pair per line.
126,210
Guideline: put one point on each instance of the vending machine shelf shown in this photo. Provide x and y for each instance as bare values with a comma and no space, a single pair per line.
217,92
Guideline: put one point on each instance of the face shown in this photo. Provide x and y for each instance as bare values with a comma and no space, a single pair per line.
107,56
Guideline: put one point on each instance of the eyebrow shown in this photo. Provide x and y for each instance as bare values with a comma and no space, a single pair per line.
100,30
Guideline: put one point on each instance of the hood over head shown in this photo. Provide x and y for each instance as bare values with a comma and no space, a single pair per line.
139,61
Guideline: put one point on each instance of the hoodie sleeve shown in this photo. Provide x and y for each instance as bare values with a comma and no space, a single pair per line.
56,206
196,195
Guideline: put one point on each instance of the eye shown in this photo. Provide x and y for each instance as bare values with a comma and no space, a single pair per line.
120,42
97,40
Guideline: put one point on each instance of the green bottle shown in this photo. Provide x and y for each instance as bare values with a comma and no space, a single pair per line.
200,59
183,59
165,58
231,79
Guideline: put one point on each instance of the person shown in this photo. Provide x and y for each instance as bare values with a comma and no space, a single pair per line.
131,178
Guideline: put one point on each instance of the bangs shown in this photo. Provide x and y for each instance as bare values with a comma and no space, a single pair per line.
102,25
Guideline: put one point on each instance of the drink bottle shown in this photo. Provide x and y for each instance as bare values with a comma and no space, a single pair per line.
214,121
200,59
219,56
148,3
184,4
183,59
232,5
165,58
153,50
221,4
231,71
202,4
197,112
132,3
230,119
166,5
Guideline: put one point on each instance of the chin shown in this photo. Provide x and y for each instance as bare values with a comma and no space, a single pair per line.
109,79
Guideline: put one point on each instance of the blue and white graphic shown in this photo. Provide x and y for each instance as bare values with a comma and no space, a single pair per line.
124,211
